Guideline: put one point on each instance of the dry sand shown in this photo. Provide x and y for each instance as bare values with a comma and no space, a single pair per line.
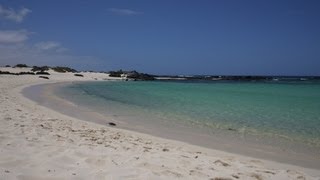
39,143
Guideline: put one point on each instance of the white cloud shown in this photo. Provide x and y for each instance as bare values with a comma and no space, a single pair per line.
127,12
13,15
62,49
47,45
50,46
13,36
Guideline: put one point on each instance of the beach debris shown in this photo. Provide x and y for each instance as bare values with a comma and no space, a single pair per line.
112,124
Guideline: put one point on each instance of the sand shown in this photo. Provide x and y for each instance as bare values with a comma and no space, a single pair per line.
40,143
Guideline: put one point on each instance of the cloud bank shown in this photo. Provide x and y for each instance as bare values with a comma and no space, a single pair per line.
14,15
50,46
29,54
15,48
13,36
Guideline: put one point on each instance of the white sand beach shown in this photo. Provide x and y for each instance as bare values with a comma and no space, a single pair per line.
39,143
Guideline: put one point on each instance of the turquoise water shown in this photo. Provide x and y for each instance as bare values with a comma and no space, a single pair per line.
284,110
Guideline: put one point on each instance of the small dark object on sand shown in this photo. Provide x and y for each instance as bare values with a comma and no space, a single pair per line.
79,75
112,124
231,129
44,77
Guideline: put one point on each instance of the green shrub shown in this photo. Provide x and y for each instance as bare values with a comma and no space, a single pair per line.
43,68
63,69
20,65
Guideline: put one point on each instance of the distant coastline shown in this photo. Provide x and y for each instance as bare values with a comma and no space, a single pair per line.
135,75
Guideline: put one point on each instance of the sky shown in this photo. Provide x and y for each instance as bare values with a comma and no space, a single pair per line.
174,37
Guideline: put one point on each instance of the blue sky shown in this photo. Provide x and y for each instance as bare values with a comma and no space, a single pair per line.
229,37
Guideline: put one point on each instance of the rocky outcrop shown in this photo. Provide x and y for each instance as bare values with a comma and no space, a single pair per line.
140,76
133,75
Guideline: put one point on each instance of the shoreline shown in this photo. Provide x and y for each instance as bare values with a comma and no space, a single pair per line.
222,141
54,145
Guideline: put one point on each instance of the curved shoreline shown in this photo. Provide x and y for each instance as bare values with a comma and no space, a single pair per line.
222,142
40,143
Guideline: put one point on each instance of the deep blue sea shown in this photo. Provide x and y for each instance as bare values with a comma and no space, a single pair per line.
287,110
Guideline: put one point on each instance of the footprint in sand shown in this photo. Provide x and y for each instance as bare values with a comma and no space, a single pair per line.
197,174
221,178
95,161
171,173
219,162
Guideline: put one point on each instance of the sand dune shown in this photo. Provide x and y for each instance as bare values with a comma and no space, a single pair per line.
39,143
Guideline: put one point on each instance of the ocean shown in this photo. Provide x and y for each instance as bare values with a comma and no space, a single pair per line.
278,111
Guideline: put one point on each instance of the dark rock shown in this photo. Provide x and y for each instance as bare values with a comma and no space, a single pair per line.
165,150
139,76
231,129
116,73
44,77
79,75
112,124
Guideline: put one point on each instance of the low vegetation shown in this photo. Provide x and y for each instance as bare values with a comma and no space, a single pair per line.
63,69
20,73
20,66
42,73
41,69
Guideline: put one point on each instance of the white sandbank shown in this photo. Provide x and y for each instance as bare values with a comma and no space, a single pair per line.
39,143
